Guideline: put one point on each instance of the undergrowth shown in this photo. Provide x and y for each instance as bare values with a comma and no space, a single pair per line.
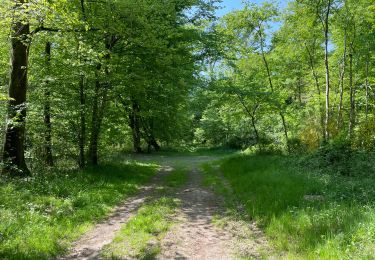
40,216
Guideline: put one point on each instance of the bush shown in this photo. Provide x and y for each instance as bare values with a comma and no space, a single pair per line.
336,155
296,146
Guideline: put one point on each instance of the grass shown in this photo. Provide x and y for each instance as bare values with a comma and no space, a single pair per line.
176,178
338,223
140,237
214,181
40,216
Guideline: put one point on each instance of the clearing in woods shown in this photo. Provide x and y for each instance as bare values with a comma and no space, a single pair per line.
190,232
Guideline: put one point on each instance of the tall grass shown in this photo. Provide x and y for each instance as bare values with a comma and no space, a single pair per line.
39,217
305,213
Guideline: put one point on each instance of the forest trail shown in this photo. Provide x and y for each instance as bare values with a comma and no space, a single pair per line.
89,246
195,235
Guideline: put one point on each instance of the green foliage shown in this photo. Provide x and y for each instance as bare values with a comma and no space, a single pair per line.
304,212
40,216
271,83
297,146
341,157
107,58
337,155
137,74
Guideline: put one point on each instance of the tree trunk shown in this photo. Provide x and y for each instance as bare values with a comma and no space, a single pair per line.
100,101
316,79
148,128
252,117
136,128
47,112
313,70
253,123
367,87
272,90
352,98
300,92
326,63
285,131
155,144
82,134
99,106
342,74
14,150
265,60
95,127
152,143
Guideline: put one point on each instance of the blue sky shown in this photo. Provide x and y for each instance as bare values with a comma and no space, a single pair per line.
230,5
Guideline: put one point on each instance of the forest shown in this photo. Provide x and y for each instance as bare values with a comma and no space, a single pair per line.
169,129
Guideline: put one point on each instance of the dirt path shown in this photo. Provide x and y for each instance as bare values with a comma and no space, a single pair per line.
90,245
195,236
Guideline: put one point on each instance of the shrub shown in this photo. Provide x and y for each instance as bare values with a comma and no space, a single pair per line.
296,146
336,155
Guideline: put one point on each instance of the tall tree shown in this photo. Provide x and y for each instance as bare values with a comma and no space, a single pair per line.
14,147
47,111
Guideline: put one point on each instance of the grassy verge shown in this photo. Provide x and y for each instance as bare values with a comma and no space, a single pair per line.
305,214
40,216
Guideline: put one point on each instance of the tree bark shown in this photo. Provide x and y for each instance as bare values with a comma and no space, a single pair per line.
14,149
367,87
47,112
352,116
136,128
252,117
82,108
265,59
100,101
148,128
272,89
95,122
316,79
342,74
82,134
313,70
326,63
300,92
152,143
285,131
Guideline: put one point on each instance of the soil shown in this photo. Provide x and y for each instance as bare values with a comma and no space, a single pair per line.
195,236
90,245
